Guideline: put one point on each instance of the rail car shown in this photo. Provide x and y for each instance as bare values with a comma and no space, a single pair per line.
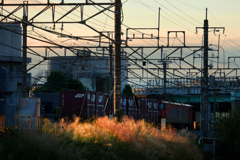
177,115
87,104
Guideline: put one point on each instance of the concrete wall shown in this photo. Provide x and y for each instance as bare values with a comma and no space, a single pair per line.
9,110
11,39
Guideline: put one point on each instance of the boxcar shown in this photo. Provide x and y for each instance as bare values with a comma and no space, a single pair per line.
177,115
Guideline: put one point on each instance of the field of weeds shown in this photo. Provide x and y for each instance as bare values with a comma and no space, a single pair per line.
100,140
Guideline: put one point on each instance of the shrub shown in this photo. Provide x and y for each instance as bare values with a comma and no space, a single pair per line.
228,144
102,139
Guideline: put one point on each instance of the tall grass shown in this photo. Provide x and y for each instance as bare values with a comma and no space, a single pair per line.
109,139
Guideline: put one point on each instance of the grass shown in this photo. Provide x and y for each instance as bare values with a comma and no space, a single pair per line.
100,139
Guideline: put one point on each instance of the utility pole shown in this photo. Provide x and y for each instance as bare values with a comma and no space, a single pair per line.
110,67
117,57
204,81
165,76
24,53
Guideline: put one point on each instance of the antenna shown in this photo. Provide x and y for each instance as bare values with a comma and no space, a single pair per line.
206,13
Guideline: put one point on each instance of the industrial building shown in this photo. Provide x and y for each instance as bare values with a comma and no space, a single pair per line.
92,71
11,70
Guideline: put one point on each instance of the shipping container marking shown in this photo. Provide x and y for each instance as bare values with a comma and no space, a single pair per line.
79,96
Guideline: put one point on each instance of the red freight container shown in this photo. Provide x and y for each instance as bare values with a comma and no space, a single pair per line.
141,107
145,109
178,114
155,111
162,113
124,105
73,102
138,111
150,113
91,103
100,104
110,110
131,107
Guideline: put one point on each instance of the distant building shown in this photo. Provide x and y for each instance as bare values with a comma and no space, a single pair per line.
10,58
10,69
92,71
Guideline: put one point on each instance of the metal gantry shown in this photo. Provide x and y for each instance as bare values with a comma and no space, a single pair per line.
183,57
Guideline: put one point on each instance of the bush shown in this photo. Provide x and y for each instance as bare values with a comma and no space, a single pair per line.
102,139
228,144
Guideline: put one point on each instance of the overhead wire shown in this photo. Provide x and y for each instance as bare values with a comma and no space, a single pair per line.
183,12
221,24
175,13
190,5
182,25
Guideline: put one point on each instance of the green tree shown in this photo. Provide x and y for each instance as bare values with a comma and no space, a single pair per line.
127,91
228,144
74,84
107,83
56,82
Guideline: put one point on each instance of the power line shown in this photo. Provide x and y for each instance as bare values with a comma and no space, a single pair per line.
183,26
182,12
191,6
175,13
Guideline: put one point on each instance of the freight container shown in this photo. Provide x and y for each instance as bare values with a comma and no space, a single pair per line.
131,107
144,109
138,110
100,104
161,108
177,115
73,103
91,104
155,112
110,109
150,110
124,105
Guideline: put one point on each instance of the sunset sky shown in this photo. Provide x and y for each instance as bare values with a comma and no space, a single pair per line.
176,15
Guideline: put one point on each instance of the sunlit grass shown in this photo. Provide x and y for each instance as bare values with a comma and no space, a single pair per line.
110,139
140,136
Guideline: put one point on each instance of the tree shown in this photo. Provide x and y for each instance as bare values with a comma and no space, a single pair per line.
74,84
228,144
107,84
127,91
57,82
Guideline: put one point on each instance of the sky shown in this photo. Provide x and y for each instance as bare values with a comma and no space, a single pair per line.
176,15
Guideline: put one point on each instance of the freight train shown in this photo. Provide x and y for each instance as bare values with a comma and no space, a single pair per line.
87,104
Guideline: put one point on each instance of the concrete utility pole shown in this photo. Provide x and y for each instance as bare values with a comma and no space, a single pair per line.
117,57
24,53
110,67
205,79
165,76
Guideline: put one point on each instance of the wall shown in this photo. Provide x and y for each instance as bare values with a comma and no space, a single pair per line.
11,39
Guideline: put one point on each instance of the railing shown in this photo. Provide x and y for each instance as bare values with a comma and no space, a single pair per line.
189,86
